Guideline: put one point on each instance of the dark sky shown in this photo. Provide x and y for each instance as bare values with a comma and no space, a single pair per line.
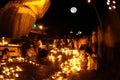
60,20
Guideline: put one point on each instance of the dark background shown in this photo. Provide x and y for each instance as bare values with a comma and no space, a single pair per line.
59,20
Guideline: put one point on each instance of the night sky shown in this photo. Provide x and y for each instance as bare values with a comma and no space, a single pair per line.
60,20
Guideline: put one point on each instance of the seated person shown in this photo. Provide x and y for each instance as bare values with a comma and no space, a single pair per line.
31,54
5,54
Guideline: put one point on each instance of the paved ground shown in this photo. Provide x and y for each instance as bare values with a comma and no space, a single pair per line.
106,72
45,70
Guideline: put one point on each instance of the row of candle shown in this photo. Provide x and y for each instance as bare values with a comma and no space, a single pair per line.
10,73
73,64
21,59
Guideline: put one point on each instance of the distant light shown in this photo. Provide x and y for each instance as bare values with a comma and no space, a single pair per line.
108,0
6,43
110,8
71,32
111,4
79,32
73,9
89,1
40,27
114,7
108,3
35,25
114,2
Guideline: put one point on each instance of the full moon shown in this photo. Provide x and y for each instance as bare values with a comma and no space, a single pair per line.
73,9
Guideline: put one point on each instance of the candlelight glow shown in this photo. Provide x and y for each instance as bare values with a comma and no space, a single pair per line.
70,62
9,73
40,27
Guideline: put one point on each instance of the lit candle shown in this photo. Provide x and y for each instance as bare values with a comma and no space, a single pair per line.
10,60
16,75
1,76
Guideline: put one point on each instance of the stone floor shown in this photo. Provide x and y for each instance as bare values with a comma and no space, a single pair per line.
45,71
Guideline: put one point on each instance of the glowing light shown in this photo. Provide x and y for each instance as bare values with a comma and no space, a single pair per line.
79,32
109,8
10,72
108,0
108,3
89,1
35,25
71,32
111,4
16,75
1,76
114,2
114,7
30,61
6,43
40,27
71,61
20,59
73,9
10,60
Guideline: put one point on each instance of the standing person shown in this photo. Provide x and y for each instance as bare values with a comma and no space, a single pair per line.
40,44
75,43
31,53
84,58
109,40
94,42
100,42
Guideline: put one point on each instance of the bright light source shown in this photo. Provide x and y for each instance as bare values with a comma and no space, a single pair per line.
111,4
73,9
108,0
35,25
114,2
108,3
114,7
89,1
71,32
79,32
40,27
109,8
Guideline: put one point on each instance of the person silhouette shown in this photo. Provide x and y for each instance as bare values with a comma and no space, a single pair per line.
5,54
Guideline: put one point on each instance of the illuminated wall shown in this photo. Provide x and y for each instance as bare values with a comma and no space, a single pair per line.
18,17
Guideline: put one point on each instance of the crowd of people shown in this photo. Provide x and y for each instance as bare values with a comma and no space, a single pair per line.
34,49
